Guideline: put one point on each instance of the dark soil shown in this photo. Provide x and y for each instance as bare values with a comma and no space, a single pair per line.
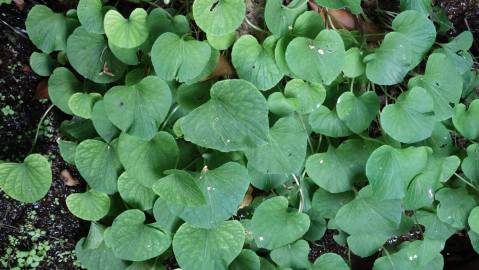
46,224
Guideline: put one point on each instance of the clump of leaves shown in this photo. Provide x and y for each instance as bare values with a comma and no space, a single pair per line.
332,129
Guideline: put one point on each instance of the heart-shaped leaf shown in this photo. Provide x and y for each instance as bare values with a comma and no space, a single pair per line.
402,49
246,260
98,163
457,51
90,205
279,18
293,255
161,21
179,187
89,55
128,56
357,112
67,150
411,118
91,14
177,59
41,63
218,17
473,219
354,65
255,63
423,6
81,104
235,118
206,249
336,170
454,206
28,181
308,24
466,121
167,220
328,204
420,193
442,82
223,188
317,60
126,33
390,170
148,159
48,30
103,126
470,164
189,97
265,181
435,228
280,105
309,96
274,226
134,193
327,122
139,109
61,86
285,151
131,239
222,42
330,261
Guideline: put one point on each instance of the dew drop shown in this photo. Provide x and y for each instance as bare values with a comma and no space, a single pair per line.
261,238
321,161
430,194
320,51
311,47
228,141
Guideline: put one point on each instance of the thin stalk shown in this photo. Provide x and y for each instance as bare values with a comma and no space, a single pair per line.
389,257
169,116
39,125
252,25
466,182
330,20
304,127
301,195
352,86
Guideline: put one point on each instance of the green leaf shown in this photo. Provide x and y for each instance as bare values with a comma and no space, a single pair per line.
139,109
354,65
474,237
327,122
265,181
336,170
246,260
148,159
285,151
435,228
419,254
81,104
473,219
41,63
411,118
255,63
223,188
218,17
152,264
470,164
90,205
357,112
279,18
103,126
274,226
91,14
328,204
206,249
67,150
89,55
167,220
161,21
235,118
421,190
402,49
126,33
423,6
353,5
48,30
191,96
317,60
28,181
390,170
465,121
175,58
131,239
318,226
330,261
62,84
457,51
442,82
222,42
308,24
128,56
280,105
179,187
454,206
309,96
98,163
134,193
293,255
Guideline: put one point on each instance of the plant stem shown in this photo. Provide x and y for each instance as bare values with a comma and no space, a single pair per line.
252,25
300,208
466,182
169,116
39,125
305,130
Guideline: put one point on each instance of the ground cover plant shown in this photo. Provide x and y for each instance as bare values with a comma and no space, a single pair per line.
321,126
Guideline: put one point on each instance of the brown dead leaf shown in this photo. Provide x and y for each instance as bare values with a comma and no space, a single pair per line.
223,68
342,19
248,198
68,179
20,4
42,89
